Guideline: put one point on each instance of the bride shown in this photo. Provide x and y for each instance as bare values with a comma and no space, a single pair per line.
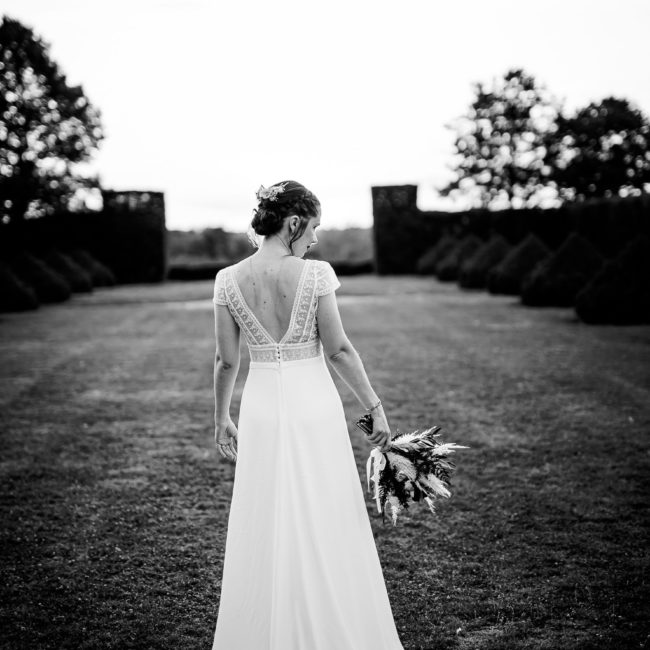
301,569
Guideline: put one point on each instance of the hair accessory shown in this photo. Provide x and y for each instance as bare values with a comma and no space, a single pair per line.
270,193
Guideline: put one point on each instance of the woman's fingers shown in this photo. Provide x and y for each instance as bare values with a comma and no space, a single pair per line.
381,439
228,450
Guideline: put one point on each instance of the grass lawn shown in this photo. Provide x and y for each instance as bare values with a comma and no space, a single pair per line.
114,502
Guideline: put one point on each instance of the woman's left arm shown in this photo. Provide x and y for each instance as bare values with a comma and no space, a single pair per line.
226,366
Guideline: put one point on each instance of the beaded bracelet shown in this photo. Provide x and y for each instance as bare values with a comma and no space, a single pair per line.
375,406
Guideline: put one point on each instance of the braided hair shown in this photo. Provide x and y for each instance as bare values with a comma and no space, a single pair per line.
289,198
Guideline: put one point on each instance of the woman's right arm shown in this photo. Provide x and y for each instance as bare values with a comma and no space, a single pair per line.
226,366
348,365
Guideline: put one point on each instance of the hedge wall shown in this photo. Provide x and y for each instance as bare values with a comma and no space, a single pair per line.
128,236
403,233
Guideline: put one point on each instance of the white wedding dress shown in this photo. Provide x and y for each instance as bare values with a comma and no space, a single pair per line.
301,570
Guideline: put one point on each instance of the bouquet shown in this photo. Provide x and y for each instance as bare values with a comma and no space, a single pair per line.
416,466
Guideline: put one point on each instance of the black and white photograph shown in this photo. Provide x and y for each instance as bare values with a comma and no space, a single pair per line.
324,325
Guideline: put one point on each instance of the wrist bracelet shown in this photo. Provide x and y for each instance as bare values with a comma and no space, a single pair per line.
374,406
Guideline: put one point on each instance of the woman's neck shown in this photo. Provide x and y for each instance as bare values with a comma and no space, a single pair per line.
274,246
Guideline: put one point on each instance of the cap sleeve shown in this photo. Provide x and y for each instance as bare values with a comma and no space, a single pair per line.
326,280
219,297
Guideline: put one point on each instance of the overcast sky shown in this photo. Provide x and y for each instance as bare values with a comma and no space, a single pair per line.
207,99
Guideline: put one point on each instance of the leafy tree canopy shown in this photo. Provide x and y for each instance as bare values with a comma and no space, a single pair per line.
603,150
47,127
516,148
501,143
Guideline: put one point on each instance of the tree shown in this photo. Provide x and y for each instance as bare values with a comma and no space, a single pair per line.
501,143
603,150
47,127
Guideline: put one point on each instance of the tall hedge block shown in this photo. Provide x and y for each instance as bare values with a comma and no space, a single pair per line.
135,247
402,233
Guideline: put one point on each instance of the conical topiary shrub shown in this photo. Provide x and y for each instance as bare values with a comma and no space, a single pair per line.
474,271
49,285
15,295
620,292
557,280
426,265
100,274
78,279
449,266
506,277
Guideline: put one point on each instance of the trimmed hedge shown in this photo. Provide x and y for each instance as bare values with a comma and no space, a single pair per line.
426,264
556,281
15,295
100,274
448,268
78,279
620,292
507,276
49,285
474,271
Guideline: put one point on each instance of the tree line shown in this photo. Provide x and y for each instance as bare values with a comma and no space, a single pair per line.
516,147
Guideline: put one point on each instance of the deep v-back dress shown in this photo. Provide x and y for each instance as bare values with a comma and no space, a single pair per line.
301,570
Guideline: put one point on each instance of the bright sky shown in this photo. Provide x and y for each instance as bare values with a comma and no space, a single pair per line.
207,99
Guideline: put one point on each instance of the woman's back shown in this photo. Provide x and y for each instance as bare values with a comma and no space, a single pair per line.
270,289
285,301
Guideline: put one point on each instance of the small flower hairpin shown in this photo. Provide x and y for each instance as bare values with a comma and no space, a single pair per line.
270,193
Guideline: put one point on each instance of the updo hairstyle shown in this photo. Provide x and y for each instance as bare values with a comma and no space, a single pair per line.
270,213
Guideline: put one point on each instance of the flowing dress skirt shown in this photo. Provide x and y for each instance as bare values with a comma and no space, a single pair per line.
301,570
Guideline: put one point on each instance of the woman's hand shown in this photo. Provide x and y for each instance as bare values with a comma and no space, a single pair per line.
225,438
381,435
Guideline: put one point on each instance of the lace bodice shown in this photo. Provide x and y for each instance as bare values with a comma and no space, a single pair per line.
301,339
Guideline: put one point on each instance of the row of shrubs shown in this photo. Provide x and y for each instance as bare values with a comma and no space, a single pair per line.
602,290
28,280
